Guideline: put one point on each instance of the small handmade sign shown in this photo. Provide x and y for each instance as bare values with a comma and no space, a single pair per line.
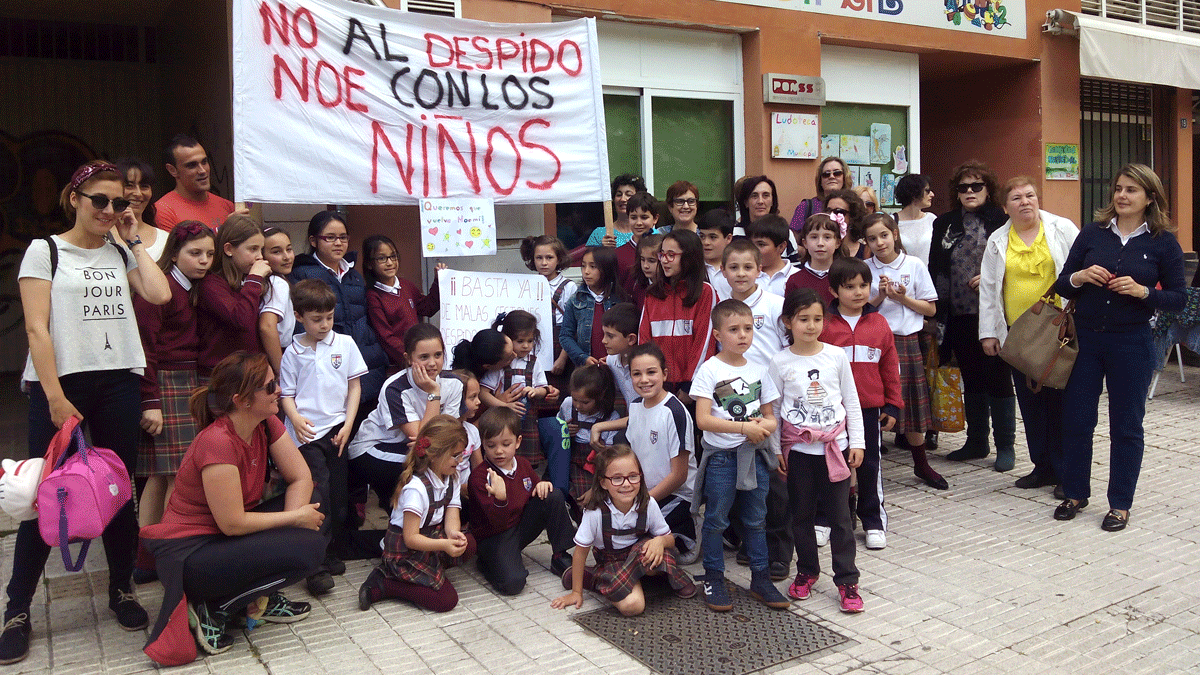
457,227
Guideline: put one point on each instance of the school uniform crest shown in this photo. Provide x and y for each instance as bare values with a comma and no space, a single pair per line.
528,482
411,304
871,352
336,360
759,321
904,279
653,436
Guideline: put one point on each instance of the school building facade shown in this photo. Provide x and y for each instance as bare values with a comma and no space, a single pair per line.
700,90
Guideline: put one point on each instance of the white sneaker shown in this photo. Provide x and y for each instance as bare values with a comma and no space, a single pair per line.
822,535
876,539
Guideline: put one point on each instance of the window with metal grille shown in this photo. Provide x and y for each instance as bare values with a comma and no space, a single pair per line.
77,41
1177,14
438,7
1116,128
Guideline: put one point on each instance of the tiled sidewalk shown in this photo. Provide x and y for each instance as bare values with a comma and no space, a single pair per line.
978,579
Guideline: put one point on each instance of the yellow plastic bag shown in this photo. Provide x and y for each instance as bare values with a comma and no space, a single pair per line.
945,394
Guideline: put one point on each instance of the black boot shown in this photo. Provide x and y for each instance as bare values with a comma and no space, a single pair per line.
976,409
1004,430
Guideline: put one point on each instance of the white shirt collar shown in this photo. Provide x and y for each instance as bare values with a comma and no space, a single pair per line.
394,289
181,278
895,264
343,267
300,346
1112,225
820,273
597,296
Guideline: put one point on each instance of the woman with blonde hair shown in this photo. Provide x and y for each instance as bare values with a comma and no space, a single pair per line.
1113,273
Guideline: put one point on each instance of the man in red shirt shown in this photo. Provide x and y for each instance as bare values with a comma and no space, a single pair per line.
187,162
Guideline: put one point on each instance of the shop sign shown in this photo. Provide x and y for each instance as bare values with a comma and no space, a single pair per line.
793,89
1003,18
344,103
1062,161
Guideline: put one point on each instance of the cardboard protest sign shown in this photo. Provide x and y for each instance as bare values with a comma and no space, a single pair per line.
472,300
346,103
456,227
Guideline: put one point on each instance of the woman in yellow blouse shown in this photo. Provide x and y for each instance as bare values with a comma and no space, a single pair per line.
1022,260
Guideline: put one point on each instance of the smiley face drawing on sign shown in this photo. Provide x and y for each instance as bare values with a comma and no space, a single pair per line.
476,232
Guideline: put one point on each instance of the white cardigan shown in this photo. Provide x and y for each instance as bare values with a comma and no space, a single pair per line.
1060,234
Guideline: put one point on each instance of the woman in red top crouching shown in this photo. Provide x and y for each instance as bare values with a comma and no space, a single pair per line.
221,550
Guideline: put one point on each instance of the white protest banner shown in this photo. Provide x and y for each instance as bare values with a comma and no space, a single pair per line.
345,103
472,300
454,227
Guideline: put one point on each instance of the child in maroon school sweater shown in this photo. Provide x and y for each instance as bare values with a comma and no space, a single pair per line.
510,506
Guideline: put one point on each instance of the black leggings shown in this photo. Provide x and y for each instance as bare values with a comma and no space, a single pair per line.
110,402
231,571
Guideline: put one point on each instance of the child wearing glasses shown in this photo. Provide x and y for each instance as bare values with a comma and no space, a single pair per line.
394,304
625,530
677,308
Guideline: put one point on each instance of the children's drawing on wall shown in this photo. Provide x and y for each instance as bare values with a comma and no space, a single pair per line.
856,149
869,176
985,14
900,161
881,143
887,189
831,145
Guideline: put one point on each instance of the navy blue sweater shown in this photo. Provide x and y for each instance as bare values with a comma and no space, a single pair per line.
1149,259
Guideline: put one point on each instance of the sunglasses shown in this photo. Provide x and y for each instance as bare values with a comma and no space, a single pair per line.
964,188
100,202
835,173
269,387
870,205
843,212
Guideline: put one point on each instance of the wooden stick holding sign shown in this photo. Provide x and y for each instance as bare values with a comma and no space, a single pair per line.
608,219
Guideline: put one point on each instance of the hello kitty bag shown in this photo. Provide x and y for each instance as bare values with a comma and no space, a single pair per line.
81,492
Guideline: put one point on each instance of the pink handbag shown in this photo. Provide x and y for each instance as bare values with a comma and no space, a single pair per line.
81,494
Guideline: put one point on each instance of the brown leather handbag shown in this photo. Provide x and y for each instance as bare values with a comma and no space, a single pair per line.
1042,344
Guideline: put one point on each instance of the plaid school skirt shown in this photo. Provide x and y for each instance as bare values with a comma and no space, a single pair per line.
619,570
425,568
914,390
581,478
531,447
162,454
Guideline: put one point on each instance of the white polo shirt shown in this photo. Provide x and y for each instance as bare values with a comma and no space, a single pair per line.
414,498
492,379
473,444
657,435
777,283
280,304
401,402
585,435
769,335
591,526
318,378
621,375
716,279
908,271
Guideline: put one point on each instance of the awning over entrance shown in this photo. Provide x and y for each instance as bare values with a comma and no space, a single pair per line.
1120,50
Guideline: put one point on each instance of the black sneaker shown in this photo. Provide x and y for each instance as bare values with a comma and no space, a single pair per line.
779,571
333,565
130,614
371,591
716,594
281,610
208,623
14,641
320,583
742,558
561,562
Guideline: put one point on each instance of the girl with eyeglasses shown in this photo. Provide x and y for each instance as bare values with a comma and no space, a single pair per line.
84,369
677,309
330,260
625,530
955,262
231,294
394,304
832,174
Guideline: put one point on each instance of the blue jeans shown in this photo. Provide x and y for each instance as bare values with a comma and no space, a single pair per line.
720,491
1126,362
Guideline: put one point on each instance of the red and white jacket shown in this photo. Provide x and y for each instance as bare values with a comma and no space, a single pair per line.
871,348
683,333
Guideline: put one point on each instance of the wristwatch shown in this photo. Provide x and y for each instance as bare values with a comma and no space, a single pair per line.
435,397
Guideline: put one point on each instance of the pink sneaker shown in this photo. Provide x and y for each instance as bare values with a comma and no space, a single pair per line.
851,601
802,586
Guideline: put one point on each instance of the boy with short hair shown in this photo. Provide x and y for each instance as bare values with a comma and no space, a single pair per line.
770,234
733,408
742,267
642,208
716,231
510,506
319,387
856,326
620,326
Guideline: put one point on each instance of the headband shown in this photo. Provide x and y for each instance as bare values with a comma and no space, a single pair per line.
190,229
83,173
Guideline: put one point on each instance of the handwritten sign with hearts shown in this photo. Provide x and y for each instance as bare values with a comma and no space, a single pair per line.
467,227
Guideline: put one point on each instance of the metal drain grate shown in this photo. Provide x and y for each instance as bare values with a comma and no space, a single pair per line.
683,637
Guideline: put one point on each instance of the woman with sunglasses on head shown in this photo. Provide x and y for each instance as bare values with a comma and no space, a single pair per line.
1112,273
914,195
832,174
329,259
223,553
955,263
81,367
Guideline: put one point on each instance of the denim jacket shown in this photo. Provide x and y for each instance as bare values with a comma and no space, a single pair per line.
575,334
